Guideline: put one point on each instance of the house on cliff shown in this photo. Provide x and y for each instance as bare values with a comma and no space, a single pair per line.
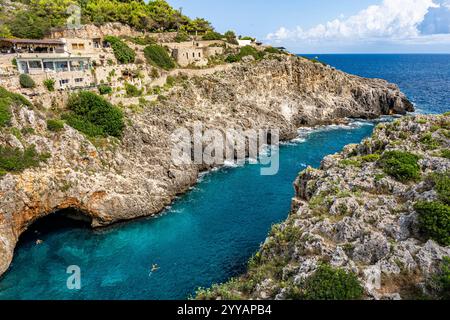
67,61
195,52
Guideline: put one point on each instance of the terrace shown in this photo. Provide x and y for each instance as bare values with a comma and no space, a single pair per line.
8,46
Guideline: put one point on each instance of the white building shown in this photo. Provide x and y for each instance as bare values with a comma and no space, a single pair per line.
243,43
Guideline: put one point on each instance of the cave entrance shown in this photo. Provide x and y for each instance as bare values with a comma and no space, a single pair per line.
65,219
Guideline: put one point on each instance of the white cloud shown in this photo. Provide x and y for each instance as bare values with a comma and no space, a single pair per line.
395,20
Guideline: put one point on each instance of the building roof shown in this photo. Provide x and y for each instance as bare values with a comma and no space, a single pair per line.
33,41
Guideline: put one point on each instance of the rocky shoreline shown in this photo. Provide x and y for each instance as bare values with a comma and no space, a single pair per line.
371,223
110,180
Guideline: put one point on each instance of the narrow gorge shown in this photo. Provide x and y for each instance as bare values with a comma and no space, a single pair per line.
112,180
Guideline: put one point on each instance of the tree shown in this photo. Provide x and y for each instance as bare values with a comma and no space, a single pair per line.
5,32
27,24
198,25
231,37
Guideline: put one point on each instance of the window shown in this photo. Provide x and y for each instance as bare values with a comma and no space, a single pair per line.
193,54
35,64
78,46
78,80
62,66
48,65
63,82
199,54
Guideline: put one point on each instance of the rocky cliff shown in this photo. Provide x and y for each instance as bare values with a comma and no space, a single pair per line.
110,180
372,222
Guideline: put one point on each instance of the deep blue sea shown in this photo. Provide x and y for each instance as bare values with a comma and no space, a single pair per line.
208,235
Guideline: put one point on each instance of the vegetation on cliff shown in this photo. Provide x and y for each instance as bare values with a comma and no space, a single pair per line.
93,115
7,99
15,160
158,57
123,53
26,81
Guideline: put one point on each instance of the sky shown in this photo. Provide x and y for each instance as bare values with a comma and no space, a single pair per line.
330,26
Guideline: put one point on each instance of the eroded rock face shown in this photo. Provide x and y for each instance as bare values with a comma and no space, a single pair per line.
120,180
351,214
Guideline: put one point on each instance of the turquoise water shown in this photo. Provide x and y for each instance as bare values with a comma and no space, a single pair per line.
208,234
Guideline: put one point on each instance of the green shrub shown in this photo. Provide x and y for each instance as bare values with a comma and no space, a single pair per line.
328,283
104,89
170,82
403,166
159,57
250,51
212,35
132,91
429,142
442,186
445,153
232,58
26,81
15,160
27,130
442,279
123,53
94,116
156,90
49,84
231,37
434,220
84,126
55,125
